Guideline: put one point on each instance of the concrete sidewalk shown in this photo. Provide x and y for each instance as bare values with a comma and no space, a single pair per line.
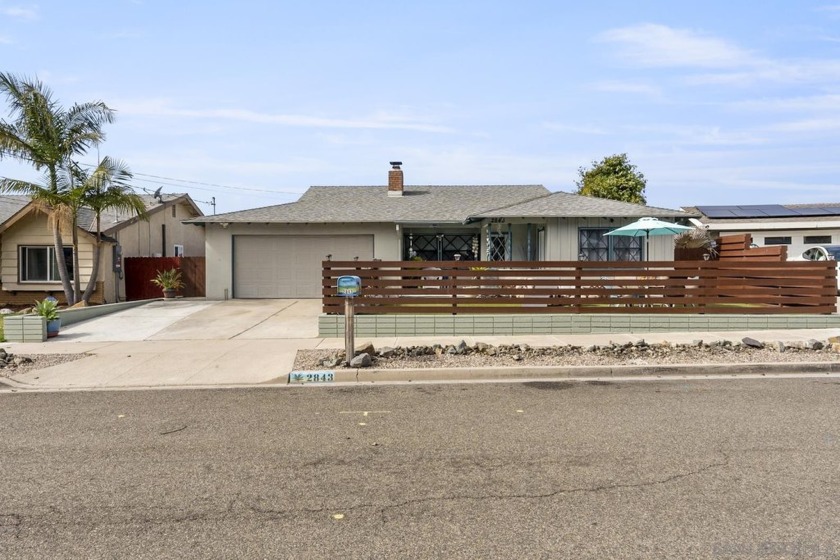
246,342
248,362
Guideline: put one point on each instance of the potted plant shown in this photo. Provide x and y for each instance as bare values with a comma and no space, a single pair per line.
169,281
48,309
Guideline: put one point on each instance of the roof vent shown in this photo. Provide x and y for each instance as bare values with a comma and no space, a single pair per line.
395,179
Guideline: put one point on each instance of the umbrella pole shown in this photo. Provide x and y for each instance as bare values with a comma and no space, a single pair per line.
647,245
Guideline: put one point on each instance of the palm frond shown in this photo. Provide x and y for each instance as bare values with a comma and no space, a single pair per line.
16,186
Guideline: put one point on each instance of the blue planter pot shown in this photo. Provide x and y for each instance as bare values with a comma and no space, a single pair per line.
53,327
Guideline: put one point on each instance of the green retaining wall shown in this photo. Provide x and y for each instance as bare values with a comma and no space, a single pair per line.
332,326
70,316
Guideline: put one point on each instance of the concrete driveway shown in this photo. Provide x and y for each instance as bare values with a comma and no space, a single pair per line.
181,342
188,319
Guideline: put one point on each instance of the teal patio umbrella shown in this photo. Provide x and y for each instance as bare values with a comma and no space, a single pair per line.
647,227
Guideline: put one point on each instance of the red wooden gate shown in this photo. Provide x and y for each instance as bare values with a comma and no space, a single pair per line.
139,272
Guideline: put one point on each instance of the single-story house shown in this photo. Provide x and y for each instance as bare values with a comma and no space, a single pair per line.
277,251
798,226
27,269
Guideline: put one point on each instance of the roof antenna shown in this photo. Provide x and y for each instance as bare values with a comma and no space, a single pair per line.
157,194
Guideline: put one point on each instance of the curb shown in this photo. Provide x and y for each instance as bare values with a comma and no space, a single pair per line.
14,384
561,372
454,375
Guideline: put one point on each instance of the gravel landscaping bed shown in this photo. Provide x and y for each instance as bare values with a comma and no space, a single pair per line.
638,353
16,364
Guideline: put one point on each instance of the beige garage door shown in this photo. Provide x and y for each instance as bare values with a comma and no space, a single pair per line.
285,266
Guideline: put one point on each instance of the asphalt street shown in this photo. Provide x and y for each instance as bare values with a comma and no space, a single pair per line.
659,469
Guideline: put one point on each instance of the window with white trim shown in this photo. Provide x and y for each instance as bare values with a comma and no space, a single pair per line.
179,250
38,264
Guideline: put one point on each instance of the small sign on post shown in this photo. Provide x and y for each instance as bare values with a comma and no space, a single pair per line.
349,287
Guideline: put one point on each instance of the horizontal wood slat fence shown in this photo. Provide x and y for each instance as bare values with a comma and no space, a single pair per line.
732,247
453,287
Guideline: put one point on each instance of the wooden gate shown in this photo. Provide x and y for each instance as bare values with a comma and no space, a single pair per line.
139,272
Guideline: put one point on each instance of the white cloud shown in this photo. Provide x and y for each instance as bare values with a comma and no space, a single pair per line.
628,87
783,72
475,165
5,40
716,61
813,103
125,34
694,135
814,125
832,10
18,12
194,162
577,129
656,45
53,78
382,120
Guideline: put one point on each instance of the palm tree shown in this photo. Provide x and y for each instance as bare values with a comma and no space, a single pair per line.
47,135
107,188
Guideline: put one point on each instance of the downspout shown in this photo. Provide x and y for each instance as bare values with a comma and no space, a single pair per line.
529,257
114,269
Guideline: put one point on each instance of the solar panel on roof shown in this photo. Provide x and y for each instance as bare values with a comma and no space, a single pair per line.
770,210
717,211
818,211
767,211
745,212
812,212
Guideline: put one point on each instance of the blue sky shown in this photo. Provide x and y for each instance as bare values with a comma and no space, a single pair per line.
250,102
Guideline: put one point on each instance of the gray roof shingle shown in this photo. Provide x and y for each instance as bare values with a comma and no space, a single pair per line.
433,203
568,205
11,204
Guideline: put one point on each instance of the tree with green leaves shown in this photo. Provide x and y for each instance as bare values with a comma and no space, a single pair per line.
615,178
107,188
43,133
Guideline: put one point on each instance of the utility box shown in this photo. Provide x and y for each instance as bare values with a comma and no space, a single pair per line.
24,328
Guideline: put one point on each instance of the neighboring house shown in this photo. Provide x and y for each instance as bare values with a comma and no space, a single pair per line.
277,251
27,269
798,226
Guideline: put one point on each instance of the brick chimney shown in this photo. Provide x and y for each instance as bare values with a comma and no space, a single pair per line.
395,179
